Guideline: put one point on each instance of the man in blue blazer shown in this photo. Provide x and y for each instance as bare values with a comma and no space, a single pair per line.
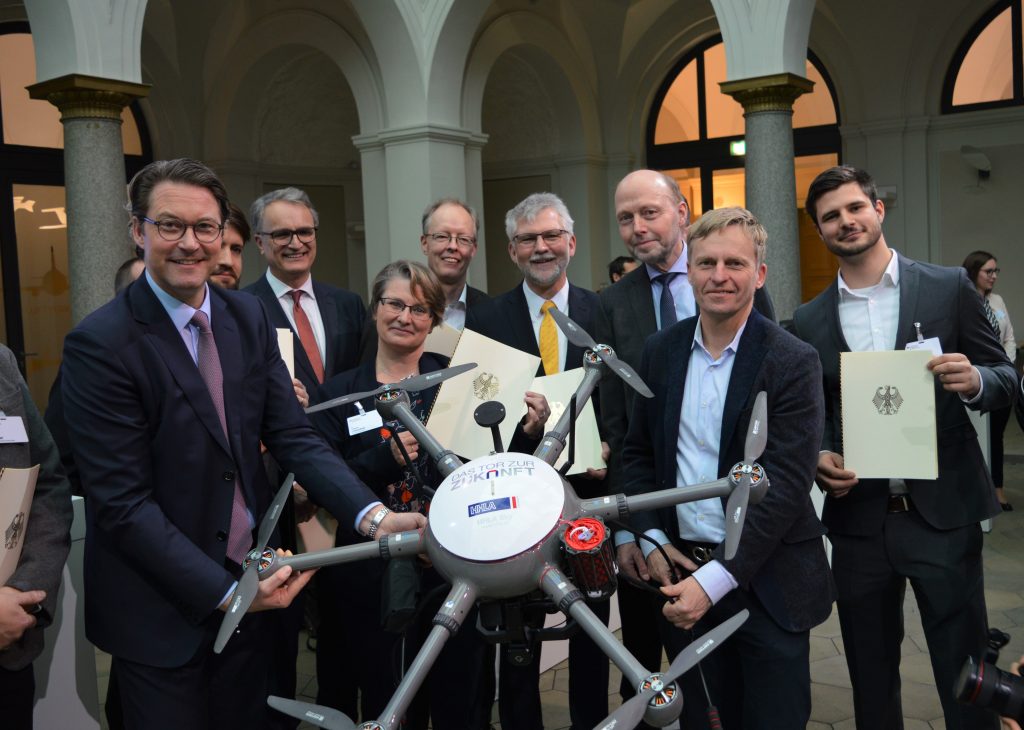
541,244
885,532
171,468
705,373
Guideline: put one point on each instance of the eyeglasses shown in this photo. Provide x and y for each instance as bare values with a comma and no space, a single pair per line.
174,230
991,272
445,238
283,236
397,306
530,239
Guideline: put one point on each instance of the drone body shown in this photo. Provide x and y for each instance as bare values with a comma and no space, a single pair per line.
508,525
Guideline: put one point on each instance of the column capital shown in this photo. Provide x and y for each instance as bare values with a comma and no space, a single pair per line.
79,96
774,93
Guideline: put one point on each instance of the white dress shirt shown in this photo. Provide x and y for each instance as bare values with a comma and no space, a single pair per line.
561,300
455,313
308,301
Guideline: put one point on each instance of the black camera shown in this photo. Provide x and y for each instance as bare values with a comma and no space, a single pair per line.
985,685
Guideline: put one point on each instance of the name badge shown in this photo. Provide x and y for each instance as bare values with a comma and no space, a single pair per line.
12,430
932,343
364,422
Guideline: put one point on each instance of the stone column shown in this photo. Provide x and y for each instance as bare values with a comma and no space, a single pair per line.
94,180
770,180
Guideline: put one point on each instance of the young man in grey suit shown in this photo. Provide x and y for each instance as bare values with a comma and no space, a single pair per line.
885,532
705,373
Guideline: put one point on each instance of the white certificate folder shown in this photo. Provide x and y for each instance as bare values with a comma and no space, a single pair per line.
17,486
888,408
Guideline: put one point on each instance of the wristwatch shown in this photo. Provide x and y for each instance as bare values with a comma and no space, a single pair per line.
375,522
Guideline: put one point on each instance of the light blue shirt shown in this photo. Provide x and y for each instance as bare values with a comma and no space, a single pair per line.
700,432
682,292
181,315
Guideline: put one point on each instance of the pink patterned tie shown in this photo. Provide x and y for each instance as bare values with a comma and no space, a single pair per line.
240,534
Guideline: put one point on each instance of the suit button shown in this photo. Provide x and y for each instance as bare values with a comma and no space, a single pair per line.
221,535
229,476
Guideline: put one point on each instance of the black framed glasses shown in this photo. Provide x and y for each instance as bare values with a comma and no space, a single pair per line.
172,230
283,236
444,239
397,306
530,239
991,272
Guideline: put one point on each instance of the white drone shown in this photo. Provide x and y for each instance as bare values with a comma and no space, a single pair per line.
507,525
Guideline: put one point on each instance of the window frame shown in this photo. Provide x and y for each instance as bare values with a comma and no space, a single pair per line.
1016,60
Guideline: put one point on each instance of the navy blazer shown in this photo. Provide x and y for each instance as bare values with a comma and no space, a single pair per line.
947,306
780,558
159,472
343,314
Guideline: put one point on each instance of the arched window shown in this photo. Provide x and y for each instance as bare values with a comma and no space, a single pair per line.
987,69
35,306
695,133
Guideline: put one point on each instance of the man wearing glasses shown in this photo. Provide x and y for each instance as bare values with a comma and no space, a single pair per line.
327,321
541,243
449,242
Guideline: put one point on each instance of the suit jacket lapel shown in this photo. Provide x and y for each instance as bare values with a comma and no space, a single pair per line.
329,316
522,325
579,311
749,356
303,367
168,342
831,316
639,295
229,347
909,292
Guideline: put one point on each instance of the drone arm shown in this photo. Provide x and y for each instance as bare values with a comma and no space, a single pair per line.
620,506
399,410
402,544
553,443
447,621
570,602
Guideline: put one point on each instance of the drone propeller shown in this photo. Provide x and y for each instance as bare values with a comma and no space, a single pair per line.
631,712
417,382
249,583
325,717
736,508
579,337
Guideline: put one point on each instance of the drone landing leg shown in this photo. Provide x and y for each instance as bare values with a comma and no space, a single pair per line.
447,621
570,602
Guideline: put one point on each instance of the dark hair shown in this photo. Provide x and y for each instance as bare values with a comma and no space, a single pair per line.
618,266
419,277
236,219
123,276
432,208
184,171
834,178
973,263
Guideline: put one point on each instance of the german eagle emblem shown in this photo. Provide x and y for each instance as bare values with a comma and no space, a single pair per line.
887,400
486,386
13,532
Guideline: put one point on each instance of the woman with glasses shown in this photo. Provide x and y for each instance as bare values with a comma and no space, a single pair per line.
406,303
983,270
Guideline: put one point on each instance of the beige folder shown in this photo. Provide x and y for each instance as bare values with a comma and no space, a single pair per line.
442,340
503,374
558,389
17,486
888,409
286,344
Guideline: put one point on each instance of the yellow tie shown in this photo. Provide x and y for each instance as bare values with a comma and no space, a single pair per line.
548,340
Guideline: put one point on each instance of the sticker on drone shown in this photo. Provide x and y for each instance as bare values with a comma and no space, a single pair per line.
887,400
493,470
486,386
492,505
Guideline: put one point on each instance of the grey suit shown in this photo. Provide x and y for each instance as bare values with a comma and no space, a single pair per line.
937,544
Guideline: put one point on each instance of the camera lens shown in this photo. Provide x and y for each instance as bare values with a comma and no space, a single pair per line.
986,685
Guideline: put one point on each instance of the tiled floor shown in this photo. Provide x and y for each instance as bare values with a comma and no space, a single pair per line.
830,689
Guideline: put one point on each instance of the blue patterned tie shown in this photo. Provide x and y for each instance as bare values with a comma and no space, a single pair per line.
667,306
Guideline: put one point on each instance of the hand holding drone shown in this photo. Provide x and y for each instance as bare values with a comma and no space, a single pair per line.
508,525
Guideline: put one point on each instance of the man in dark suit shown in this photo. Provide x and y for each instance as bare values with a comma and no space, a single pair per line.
169,390
28,598
705,373
327,322
652,214
541,244
886,531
